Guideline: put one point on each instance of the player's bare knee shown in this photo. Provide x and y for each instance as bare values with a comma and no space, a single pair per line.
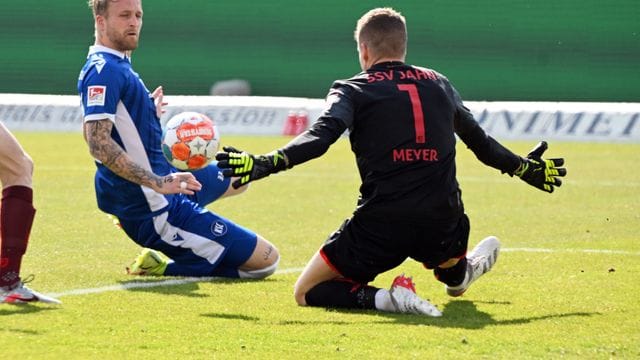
263,262
25,166
274,256
299,295
267,253
18,172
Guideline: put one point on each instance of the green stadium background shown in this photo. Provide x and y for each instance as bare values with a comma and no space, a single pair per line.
578,50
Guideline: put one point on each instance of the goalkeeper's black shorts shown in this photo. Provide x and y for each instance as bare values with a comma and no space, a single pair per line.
365,246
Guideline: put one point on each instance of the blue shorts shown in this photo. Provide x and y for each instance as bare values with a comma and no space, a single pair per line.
200,242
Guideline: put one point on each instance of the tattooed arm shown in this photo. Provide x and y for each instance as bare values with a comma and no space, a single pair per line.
110,154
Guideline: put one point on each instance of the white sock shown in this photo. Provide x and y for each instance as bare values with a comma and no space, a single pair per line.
383,301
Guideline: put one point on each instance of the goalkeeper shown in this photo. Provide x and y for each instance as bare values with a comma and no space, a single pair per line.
402,121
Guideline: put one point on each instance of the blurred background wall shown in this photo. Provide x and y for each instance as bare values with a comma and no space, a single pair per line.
563,50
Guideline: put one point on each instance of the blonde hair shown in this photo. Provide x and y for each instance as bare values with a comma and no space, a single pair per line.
99,7
384,30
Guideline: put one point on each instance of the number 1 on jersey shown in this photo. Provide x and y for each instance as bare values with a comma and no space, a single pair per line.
418,115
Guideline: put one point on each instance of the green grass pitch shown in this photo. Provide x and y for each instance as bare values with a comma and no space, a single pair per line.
565,286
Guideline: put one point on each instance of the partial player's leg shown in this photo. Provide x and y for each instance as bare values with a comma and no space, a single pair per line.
16,166
215,186
149,262
478,262
333,277
263,260
249,259
317,271
16,218
199,243
457,269
321,285
152,262
16,211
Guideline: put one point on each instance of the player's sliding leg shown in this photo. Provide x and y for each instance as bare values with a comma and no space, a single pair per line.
246,258
199,243
149,262
261,263
251,256
459,275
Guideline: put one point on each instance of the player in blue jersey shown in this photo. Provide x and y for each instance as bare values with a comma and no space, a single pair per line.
402,122
159,208
16,218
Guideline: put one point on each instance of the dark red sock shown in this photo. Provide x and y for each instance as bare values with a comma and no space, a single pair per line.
16,218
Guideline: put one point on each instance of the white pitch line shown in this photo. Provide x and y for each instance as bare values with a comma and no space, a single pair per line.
150,284
188,280
587,251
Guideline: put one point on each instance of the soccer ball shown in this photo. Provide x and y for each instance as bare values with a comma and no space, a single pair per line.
190,141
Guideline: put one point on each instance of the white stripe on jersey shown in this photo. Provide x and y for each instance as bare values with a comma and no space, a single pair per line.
135,149
103,116
201,246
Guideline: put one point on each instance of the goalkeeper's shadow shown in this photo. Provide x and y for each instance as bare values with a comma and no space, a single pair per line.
465,315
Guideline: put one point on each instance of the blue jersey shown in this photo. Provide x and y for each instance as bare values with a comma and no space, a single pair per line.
110,89
199,242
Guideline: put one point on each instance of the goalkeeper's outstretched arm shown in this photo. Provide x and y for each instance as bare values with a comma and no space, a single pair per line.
309,145
533,169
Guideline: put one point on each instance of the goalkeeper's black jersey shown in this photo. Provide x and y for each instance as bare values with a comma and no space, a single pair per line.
402,122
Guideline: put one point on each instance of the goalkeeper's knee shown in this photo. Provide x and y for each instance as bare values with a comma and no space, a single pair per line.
259,273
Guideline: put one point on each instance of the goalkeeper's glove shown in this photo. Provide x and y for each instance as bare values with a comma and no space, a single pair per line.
539,172
248,167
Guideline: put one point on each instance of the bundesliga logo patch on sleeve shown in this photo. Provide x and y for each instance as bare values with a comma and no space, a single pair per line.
96,95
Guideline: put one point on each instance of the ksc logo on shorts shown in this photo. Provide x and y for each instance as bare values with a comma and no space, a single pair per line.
218,228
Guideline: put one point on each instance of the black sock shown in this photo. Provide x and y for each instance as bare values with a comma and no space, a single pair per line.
454,275
342,294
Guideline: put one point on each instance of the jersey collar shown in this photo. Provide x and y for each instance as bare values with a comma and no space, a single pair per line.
103,49
387,64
